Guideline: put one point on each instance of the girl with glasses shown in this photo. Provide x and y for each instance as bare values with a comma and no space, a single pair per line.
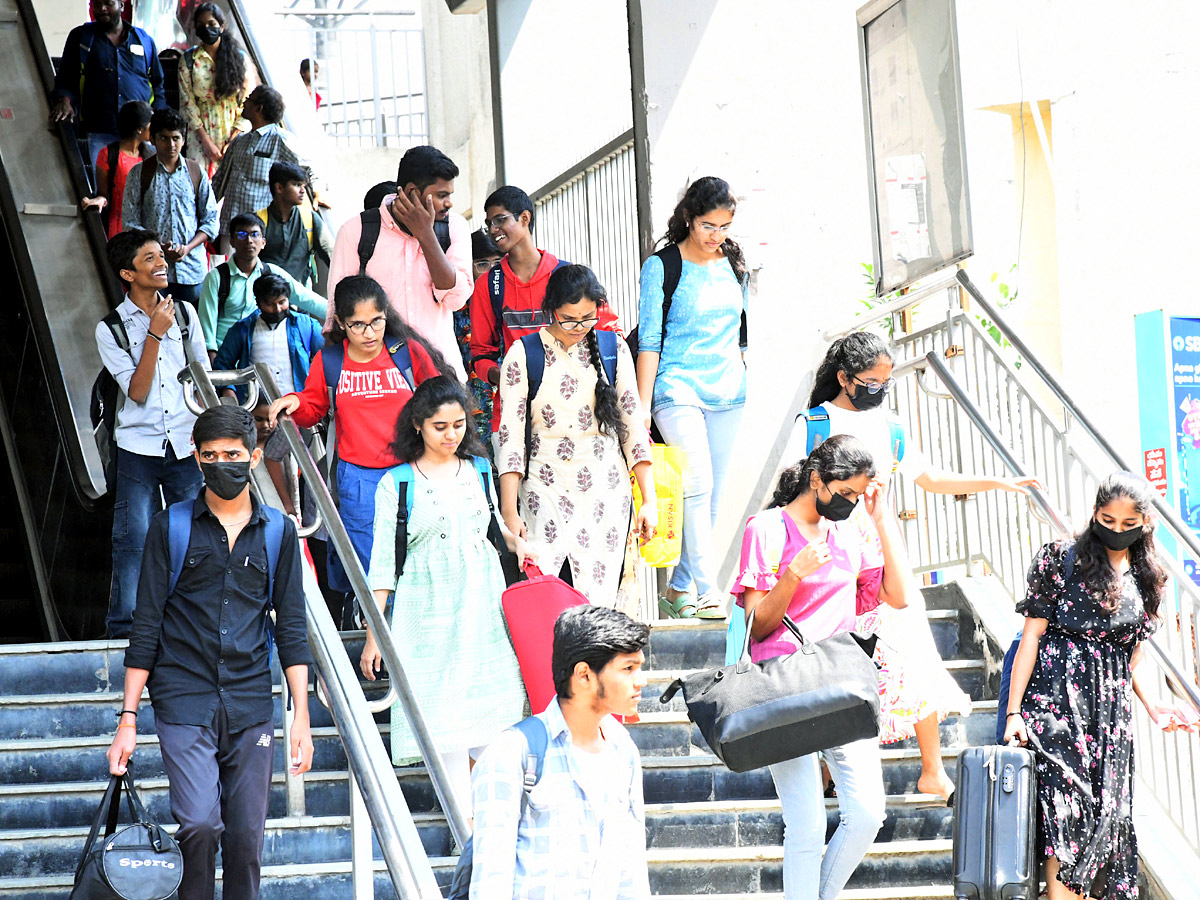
849,396
368,397
692,377
565,447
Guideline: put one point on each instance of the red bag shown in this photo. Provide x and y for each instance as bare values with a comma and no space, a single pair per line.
531,608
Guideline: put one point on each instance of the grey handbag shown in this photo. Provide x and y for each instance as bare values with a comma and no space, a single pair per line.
754,714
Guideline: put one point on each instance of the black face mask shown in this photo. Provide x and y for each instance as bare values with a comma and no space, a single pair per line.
210,34
1116,540
863,399
838,507
272,318
226,479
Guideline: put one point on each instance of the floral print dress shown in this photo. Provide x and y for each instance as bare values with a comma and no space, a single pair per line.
576,500
1078,709
199,104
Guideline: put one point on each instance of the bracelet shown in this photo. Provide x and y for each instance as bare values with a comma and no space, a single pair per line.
126,726
153,335
1010,715
132,712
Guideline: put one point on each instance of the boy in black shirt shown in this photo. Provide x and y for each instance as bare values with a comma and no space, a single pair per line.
202,639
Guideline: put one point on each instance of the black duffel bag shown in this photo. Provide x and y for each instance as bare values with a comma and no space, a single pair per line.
754,714
139,862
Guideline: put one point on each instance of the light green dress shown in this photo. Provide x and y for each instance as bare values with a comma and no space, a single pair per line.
447,623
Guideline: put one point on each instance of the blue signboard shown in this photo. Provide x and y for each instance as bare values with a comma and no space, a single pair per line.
1185,393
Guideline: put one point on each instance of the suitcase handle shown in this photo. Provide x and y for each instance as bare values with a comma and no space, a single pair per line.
531,569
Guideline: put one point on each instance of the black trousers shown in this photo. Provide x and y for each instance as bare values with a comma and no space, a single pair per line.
219,786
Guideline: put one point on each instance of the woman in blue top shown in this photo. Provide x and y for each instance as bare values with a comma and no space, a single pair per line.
691,375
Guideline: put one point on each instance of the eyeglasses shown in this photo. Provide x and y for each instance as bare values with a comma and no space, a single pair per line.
483,265
496,221
575,324
714,229
874,387
242,235
376,325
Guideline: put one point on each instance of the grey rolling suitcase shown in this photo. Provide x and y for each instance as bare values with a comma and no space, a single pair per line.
995,825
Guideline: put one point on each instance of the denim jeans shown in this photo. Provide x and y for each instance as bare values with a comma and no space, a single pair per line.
356,504
858,774
706,436
142,484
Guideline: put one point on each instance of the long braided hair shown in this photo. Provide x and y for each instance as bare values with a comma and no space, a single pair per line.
570,284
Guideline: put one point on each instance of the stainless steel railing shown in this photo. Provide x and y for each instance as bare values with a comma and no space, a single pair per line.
369,763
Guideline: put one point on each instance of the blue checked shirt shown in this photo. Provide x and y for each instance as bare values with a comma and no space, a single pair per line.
241,181
174,211
562,845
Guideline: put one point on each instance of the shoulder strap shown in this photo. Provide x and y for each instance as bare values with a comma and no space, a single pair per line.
607,341
535,366
306,219
776,537
896,432
484,469
147,176
274,536
672,262
372,221
185,329
817,420
224,284
403,476
189,59
1069,563
332,360
179,534
442,231
496,291
114,154
537,738
117,327
193,168
402,358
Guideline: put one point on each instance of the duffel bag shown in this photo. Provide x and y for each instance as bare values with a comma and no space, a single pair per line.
139,862
754,714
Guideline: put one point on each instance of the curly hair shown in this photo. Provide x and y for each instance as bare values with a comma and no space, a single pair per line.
1092,558
229,73
837,458
703,196
570,284
430,396
852,354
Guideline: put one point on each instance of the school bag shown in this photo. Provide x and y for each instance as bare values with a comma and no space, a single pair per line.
179,533
372,222
332,360
306,219
818,432
193,170
513,318
225,282
402,475
535,366
533,730
108,398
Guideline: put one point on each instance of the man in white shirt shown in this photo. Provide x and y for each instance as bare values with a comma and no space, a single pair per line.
153,425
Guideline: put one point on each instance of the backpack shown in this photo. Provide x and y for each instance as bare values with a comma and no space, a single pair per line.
372,222
537,738
306,218
194,173
332,361
225,284
496,291
402,475
108,398
818,431
179,533
672,263
535,365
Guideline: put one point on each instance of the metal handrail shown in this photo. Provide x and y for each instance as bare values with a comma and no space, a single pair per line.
899,303
459,825
1179,528
1040,501
366,757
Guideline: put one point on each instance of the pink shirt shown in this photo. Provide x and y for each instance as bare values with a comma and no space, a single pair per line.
398,264
826,602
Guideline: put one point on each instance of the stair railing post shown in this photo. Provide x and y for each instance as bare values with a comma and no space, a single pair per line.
362,859
294,783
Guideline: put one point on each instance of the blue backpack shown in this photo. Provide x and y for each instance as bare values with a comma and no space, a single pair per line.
535,367
818,431
536,737
179,535
402,475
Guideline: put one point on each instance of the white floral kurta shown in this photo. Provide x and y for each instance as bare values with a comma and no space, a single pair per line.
576,500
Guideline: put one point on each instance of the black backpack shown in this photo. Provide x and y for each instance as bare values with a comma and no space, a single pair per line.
107,396
372,222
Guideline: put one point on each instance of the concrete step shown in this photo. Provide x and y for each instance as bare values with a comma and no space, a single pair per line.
909,869
673,779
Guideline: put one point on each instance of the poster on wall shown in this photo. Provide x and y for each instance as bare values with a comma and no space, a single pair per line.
1184,358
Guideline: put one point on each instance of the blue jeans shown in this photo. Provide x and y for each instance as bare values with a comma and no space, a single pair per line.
143,482
356,505
706,436
858,774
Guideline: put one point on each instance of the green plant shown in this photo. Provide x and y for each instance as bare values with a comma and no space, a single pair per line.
1007,296
887,324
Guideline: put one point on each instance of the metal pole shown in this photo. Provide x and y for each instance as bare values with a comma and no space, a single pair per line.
362,861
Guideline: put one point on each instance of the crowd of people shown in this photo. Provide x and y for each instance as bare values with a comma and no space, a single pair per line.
479,397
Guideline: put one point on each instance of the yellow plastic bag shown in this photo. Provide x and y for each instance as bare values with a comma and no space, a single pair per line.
663,549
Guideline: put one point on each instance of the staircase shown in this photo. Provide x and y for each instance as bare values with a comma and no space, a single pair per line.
709,831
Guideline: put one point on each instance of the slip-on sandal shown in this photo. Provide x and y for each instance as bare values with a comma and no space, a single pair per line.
682,607
711,606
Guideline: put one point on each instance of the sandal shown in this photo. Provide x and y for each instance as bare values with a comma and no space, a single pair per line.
682,607
711,606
